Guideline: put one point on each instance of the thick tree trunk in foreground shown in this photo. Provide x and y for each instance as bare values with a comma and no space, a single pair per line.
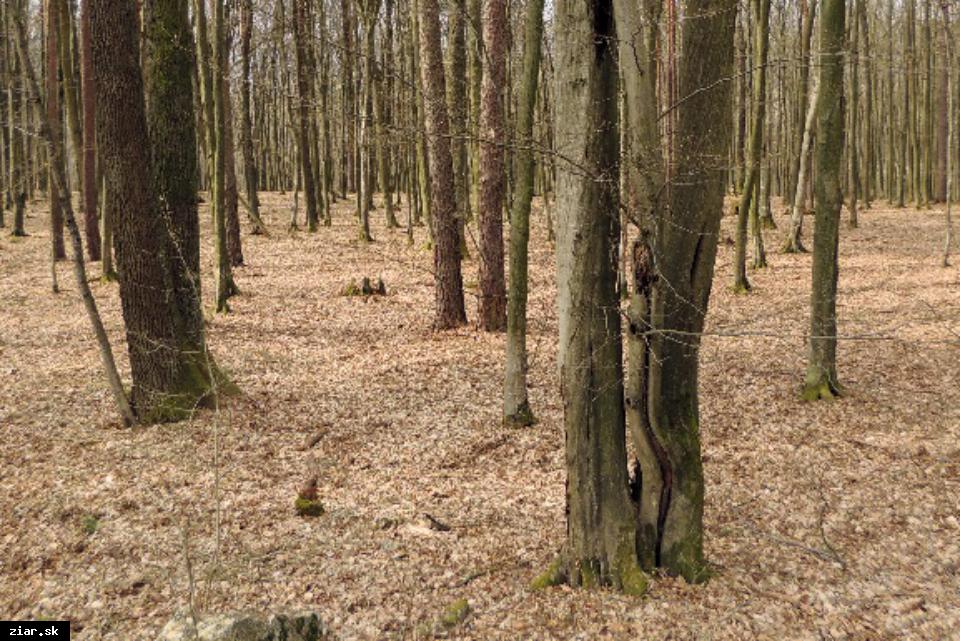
168,382
516,406
602,528
493,296
450,311
821,377
168,69
685,249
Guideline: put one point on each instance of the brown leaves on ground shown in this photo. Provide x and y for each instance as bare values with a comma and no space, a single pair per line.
834,520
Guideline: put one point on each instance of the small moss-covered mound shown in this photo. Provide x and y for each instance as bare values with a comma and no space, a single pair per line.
308,507
455,613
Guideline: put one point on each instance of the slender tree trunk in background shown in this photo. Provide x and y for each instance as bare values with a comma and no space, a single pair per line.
893,176
54,120
368,19
165,383
303,109
57,157
423,157
951,129
456,89
943,116
381,101
246,125
90,186
349,114
224,286
793,243
927,142
449,304
206,75
869,161
516,406
808,13
492,306
15,121
230,194
475,75
821,377
761,12
853,154
67,57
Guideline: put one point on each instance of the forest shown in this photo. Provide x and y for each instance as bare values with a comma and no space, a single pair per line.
480,319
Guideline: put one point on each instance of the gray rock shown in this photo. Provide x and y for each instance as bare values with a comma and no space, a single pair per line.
303,626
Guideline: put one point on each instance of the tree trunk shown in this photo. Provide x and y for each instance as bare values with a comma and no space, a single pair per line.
94,245
246,126
303,90
602,528
168,382
491,311
54,120
16,124
449,305
516,406
821,377
793,243
761,12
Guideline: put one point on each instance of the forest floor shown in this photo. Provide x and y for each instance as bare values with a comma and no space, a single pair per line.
827,520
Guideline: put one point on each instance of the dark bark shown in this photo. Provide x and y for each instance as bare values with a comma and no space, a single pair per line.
448,279
88,98
493,297
168,382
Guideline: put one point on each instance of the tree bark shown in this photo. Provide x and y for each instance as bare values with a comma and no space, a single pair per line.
493,297
94,245
602,528
54,120
168,381
449,305
821,377
516,405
